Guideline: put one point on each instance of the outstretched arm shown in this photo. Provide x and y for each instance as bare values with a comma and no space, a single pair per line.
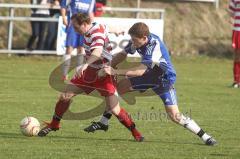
136,71
118,58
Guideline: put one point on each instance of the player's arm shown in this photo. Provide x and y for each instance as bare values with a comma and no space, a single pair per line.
63,11
121,56
95,55
118,58
135,71
64,16
91,10
91,15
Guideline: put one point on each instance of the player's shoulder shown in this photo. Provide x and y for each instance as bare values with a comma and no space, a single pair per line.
154,37
155,40
97,28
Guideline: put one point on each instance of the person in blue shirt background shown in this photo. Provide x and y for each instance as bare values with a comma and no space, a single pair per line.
155,72
74,40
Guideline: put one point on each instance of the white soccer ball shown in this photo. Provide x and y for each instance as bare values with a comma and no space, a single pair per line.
29,126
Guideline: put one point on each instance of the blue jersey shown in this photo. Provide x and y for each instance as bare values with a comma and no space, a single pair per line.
155,56
78,6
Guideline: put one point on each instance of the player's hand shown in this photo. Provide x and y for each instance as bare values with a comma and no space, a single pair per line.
130,48
65,22
109,70
80,69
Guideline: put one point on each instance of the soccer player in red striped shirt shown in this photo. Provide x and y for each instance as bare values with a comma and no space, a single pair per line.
234,7
98,54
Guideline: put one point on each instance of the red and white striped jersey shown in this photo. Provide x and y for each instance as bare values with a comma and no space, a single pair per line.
234,7
97,37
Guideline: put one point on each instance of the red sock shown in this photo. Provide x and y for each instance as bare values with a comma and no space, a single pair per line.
236,72
60,108
124,118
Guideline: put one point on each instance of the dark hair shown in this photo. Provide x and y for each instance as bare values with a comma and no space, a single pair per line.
139,30
81,18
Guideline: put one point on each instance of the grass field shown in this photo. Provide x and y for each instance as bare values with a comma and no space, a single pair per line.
203,93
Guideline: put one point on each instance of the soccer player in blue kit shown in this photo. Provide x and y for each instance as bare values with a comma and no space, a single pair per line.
155,72
74,40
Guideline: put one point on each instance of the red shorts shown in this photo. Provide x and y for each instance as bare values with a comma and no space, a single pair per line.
89,82
236,39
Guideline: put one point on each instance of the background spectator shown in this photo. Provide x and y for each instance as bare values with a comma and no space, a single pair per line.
50,41
38,27
99,7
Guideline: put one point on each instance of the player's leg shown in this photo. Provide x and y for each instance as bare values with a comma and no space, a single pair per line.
123,117
107,89
236,68
236,59
66,62
71,43
123,86
80,50
61,107
170,101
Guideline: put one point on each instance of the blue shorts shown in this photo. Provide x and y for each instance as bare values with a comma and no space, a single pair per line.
161,86
73,39
169,98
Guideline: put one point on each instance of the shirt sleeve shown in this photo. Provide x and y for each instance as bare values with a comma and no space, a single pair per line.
130,49
63,4
151,55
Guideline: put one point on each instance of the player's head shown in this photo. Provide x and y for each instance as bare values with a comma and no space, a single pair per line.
139,33
81,22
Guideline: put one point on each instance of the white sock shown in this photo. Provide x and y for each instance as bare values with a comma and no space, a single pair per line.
193,127
104,120
67,63
80,59
189,124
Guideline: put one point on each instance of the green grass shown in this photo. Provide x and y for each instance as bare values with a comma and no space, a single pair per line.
203,92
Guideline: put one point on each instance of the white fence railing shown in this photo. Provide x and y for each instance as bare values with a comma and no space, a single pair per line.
11,18
216,2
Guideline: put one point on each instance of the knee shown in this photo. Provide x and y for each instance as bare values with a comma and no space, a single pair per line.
175,117
115,110
65,97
